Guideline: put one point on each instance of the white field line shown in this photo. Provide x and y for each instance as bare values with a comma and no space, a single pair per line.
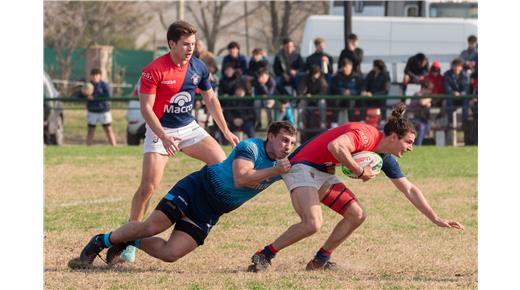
85,202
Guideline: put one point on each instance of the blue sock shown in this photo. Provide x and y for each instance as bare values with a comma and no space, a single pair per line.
104,240
135,243
322,255
269,251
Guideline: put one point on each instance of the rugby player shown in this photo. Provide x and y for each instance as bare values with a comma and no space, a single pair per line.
167,94
310,182
197,201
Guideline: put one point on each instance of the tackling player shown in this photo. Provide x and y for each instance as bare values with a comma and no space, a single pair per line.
310,182
167,94
197,201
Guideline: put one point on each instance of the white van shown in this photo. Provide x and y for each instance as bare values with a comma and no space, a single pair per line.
395,38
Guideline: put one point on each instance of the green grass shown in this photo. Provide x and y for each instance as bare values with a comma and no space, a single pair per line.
88,190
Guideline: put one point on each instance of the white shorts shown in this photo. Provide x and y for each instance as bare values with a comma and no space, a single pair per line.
304,175
103,118
189,135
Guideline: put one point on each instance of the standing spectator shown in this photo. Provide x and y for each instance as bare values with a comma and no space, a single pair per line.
346,82
419,111
320,58
456,83
264,85
98,107
352,52
257,61
313,83
288,64
415,70
234,57
436,78
470,55
209,59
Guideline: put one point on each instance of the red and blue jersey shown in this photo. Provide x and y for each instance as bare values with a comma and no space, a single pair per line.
364,137
174,88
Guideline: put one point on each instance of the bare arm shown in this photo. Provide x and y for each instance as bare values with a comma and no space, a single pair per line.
215,110
245,174
416,197
147,101
341,148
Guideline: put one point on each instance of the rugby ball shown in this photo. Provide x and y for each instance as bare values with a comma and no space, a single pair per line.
363,159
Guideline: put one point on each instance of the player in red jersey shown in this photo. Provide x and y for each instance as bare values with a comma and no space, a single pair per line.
311,181
167,94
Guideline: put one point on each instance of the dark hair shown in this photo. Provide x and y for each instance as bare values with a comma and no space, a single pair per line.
276,127
286,40
352,36
233,44
258,51
95,71
314,70
318,40
398,123
472,38
228,65
261,71
380,64
427,84
457,62
420,57
178,29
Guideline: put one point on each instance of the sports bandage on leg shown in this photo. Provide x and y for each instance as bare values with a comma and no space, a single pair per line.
339,198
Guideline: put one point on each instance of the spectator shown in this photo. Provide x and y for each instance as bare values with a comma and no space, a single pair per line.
234,57
98,111
230,78
258,61
436,78
352,52
209,59
264,85
470,55
456,83
415,70
377,81
419,111
241,117
288,63
285,112
320,58
313,83
346,82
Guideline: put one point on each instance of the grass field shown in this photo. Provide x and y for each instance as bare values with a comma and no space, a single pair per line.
88,190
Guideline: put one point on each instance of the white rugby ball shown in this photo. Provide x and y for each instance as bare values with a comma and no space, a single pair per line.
363,159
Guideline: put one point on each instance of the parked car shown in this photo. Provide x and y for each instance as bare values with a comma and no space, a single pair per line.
52,114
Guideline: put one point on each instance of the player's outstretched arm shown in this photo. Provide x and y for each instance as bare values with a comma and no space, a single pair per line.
416,197
245,174
215,110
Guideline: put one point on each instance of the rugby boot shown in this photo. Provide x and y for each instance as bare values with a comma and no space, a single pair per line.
316,264
260,262
114,253
92,249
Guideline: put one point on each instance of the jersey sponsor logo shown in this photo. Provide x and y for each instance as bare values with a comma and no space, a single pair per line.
146,75
195,78
179,103
168,82
364,138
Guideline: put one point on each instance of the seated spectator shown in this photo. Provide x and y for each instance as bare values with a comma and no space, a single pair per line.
352,52
258,61
346,82
285,112
436,78
456,83
377,83
320,58
264,85
415,70
470,55
241,117
234,57
230,78
313,83
419,111
288,64
209,59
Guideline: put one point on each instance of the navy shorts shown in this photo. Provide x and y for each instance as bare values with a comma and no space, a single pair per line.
189,194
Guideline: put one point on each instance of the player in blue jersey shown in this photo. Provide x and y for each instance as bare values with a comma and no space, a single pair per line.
197,201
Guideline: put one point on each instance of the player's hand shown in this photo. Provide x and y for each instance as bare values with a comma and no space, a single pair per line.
448,224
367,174
283,166
171,144
232,139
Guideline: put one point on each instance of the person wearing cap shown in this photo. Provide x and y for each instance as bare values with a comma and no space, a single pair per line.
437,79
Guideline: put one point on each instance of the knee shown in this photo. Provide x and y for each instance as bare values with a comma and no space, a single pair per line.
146,190
170,257
357,216
312,225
